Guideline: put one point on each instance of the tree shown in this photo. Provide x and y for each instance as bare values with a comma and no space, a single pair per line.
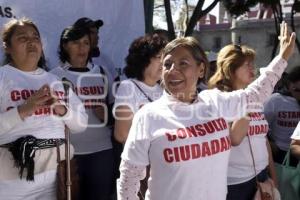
148,11
295,9
171,30
278,18
196,15
237,8
234,7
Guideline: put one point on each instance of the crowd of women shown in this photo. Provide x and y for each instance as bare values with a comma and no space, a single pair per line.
214,144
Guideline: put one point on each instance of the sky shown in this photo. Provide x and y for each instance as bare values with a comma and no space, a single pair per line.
214,11
206,3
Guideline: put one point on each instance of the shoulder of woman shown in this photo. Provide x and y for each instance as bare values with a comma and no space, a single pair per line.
210,93
4,68
126,83
276,96
56,70
2,72
53,75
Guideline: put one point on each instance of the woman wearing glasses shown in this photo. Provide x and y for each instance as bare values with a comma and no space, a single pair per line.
235,71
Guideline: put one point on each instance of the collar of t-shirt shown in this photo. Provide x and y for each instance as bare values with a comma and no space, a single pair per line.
37,71
69,67
173,100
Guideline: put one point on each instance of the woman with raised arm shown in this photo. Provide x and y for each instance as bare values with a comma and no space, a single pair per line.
184,135
33,116
235,71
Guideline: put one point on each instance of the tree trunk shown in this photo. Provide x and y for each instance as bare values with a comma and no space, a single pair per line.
148,11
170,24
277,11
293,12
197,14
187,14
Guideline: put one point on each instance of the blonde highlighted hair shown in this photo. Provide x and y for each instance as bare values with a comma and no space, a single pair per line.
229,59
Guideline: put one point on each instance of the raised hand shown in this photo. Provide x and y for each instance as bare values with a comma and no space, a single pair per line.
287,41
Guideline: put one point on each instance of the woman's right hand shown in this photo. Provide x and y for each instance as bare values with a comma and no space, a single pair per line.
287,41
40,99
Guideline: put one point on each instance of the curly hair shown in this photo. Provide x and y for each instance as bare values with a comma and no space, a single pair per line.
229,59
9,30
140,53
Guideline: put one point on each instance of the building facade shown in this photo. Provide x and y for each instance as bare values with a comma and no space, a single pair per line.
255,29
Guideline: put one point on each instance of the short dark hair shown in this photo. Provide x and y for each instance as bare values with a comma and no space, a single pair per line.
71,33
85,22
294,75
163,33
7,33
140,53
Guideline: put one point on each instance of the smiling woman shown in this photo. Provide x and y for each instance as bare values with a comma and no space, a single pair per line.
175,173
184,63
235,71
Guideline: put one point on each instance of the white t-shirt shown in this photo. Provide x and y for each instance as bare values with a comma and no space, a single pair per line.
296,134
104,61
187,145
283,114
240,167
15,87
91,87
130,95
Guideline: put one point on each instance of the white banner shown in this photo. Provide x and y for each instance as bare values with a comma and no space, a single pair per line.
123,22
